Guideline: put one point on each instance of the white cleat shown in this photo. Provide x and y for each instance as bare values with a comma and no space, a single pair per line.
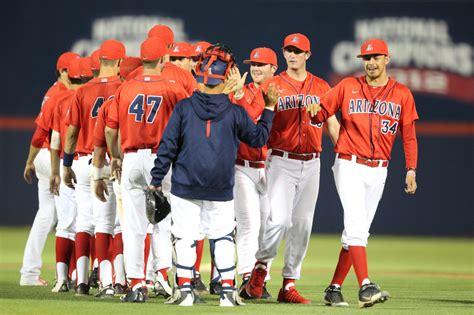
230,297
33,281
182,297
60,287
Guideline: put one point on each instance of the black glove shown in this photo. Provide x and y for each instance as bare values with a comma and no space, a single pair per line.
157,207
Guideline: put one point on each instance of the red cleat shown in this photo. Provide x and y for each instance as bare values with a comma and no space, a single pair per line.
291,296
254,287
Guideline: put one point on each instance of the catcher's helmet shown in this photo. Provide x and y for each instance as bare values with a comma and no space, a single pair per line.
157,207
214,65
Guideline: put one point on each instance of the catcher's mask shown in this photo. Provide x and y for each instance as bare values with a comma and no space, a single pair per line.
214,65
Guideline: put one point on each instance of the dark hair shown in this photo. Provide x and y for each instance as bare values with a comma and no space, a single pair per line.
75,81
85,79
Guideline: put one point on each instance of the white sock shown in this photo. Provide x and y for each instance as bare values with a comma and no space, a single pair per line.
365,281
105,273
82,269
61,272
119,269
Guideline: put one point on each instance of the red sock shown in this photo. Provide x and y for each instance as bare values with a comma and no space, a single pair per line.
230,283
72,260
164,273
359,261
183,281
83,244
343,266
286,282
147,249
118,245
93,253
135,281
199,250
64,248
103,247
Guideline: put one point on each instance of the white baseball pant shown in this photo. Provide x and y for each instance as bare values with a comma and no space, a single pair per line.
293,187
360,189
43,223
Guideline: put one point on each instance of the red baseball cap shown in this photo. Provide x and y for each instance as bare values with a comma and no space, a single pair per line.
162,31
153,48
128,65
112,49
297,40
65,58
85,67
181,49
263,55
95,61
373,47
199,48
74,69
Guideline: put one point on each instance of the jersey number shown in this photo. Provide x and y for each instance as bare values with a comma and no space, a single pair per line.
137,107
97,104
386,127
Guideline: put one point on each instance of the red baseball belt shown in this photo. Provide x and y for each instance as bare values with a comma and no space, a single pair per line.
296,156
253,164
366,162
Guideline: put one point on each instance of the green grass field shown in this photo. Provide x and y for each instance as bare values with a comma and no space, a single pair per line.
423,275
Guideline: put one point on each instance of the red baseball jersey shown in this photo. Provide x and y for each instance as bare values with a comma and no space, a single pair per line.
58,123
141,109
371,116
84,109
99,130
254,104
43,120
174,73
292,129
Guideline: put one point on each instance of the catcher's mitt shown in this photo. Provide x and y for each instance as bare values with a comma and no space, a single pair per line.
157,207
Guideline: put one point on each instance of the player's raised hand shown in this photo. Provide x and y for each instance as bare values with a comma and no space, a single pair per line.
100,189
271,96
54,183
410,182
29,172
313,109
69,177
116,168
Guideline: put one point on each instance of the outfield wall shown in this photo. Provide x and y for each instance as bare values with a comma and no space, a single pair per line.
431,47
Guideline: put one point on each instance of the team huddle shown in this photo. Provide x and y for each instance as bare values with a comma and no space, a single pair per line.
238,163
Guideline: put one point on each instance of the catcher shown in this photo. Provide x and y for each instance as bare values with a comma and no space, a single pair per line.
201,140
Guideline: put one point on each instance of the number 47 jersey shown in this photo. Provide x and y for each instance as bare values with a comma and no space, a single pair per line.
370,116
141,110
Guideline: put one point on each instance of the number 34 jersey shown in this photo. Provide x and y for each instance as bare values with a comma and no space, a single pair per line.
141,110
85,107
370,116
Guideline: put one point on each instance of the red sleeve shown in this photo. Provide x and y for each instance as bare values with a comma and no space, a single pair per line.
254,104
39,137
112,120
191,84
410,144
44,118
409,113
330,103
74,114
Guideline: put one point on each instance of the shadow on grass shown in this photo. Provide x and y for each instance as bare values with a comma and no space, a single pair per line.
467,302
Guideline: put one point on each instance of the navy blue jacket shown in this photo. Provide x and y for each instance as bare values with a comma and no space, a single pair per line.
201,141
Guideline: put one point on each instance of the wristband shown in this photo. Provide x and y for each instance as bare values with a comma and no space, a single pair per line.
67,159
97,173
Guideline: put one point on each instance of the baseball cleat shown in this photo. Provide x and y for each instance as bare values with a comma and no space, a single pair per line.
107,292
198,285
33,281
139,295
333,297
162,287
197,298
215,288
82,289
94,278
384,296
254,287
182,296
291,296
243,293
369,294
120,290
230,297
71,284
60,287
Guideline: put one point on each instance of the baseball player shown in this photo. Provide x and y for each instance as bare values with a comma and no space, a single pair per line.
250,182
181,55
293,171
80,140
141,109
374,107
201,140
65,197
38,164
